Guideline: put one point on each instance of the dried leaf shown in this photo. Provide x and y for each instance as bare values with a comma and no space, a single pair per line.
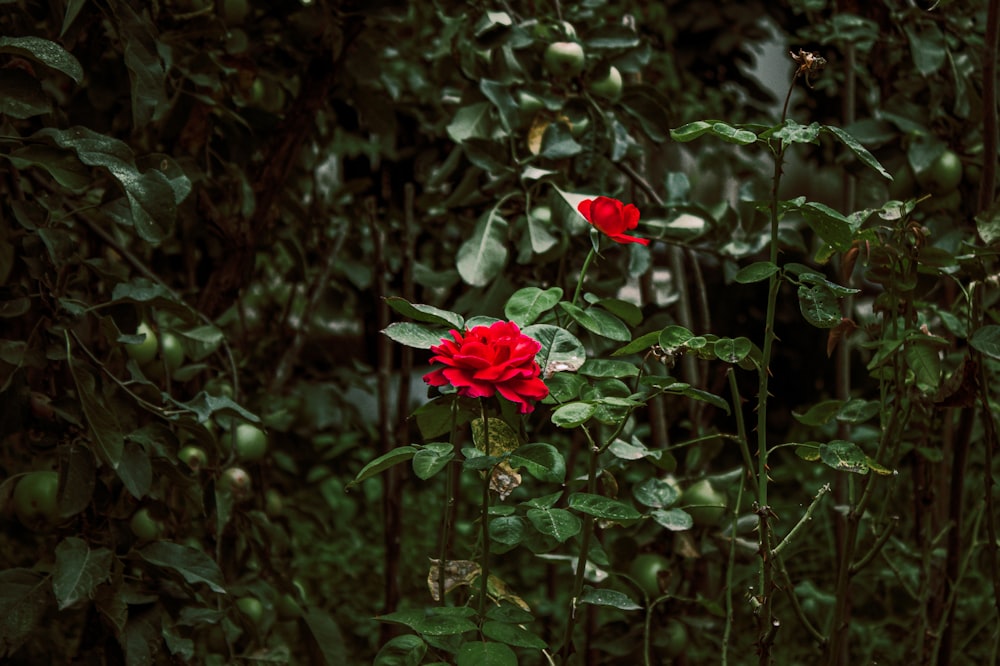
456,574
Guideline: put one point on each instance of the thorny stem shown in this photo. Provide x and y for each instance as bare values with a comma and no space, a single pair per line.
449,500
766,626
484,566
588,529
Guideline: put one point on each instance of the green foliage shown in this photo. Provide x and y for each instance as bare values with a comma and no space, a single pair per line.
231,231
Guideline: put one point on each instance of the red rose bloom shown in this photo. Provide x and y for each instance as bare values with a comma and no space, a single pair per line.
490,359
612,218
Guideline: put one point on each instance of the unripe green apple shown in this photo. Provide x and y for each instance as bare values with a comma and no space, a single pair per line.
250,442
704,503
172,350
194,457
564,59
144,526
943,175
36,499
608,87
236,482
145,351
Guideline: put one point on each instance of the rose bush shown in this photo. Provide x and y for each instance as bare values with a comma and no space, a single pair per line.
612,218
490,359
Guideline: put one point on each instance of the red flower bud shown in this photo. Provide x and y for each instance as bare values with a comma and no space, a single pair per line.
612,218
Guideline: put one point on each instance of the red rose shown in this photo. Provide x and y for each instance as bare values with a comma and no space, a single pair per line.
490,359
613,218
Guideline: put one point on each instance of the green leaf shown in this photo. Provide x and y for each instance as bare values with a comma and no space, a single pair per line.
446,621
597,321
145,68
485,654
415,335
528,304
48,53
756,272
77,479
432,458
691,131
830,225
731,134
674,336
78,571
507,530
988,224
500,95
612,598
573,414
602,507
558,523
675,520
426,313
405,650
398,455
844,456
641,344
511,634
205,406
558,142
857,410
470,121
559,347
135,470
63,165
860,151
599,367
986,340
151,199
924,360
705,396
104,427
656,493
24,601
484,254
502,438
732,351
792,132
327,635
819,306
542,460
928,48
820,413
192,564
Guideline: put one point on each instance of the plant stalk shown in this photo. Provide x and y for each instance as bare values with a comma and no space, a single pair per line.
588,529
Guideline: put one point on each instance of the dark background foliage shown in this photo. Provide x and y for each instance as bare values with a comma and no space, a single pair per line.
253,179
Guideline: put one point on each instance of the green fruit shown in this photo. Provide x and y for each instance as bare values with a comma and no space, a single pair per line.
943,175
145,351
564,59
194,457
250,442
904,184
144,526
236,482
36,499
670,641
704,503
172,350
252,609
609,87
645,570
